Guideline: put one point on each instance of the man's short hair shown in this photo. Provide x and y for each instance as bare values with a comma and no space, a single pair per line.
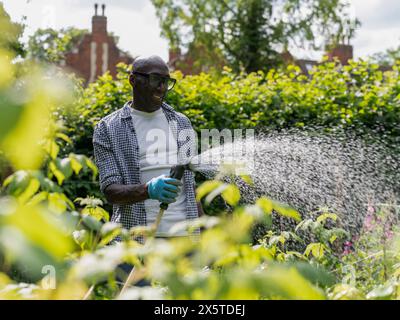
141,61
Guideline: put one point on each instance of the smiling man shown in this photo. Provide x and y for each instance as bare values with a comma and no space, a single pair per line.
136,146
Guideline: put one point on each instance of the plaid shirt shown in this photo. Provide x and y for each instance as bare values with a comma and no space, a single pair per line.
116,153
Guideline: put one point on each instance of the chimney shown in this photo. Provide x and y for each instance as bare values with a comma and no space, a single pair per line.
343,52
99,23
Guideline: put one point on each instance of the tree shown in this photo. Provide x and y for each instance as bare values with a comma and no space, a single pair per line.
387,58
11,33
250,34
49,45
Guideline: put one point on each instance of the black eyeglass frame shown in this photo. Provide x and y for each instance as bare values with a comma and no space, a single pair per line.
148,75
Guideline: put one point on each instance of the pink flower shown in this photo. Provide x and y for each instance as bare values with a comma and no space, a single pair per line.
389,234
347,247
369,222
348,244
370,209
346,252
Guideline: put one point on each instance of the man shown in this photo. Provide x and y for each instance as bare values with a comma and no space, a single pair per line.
136,146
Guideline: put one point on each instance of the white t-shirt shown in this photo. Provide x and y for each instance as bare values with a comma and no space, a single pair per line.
158,152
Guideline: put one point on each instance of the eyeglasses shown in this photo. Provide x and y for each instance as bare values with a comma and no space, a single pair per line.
155,80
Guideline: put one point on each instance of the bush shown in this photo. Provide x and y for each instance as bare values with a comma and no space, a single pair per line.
357,97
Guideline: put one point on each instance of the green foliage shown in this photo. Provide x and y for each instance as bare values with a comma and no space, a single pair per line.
357,97
247,35
371,259
11,33
387,58
99,99
49,45
323,245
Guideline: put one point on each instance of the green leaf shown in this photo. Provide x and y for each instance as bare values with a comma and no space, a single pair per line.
274,240
59,203
96,212
58,174
265,204
10,113
325,216
75,164
304,225
38,198
49,185
22,252
286,283
63,137
247,178
316,274
30,190
92,166
52,149
81,237
257,213
69,203
231,194
109,231
8,180
215,192
91,223
56,202
17,182
42,228
81,159
317,250
286,211
70,220
295,253
206,187
64,165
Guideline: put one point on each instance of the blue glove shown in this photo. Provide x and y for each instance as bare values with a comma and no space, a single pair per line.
163,189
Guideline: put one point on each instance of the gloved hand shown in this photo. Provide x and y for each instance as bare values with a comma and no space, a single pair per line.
163,188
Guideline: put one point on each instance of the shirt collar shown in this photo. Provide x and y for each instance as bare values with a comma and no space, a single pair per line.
126,111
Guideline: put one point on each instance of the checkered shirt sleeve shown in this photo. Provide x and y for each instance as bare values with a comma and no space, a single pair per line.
105,157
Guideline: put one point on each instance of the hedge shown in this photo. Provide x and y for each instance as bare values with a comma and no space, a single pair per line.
358,97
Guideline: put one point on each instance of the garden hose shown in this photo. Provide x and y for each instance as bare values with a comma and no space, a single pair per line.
176,172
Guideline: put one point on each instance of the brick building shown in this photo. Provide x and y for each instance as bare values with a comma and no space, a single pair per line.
343,52
186,63
97,52
190,63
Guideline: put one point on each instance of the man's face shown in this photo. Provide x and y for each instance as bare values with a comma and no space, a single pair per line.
148,91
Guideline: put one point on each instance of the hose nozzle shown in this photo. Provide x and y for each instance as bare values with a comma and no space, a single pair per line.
176,172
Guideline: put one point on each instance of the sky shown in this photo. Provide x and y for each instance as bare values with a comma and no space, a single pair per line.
137,26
